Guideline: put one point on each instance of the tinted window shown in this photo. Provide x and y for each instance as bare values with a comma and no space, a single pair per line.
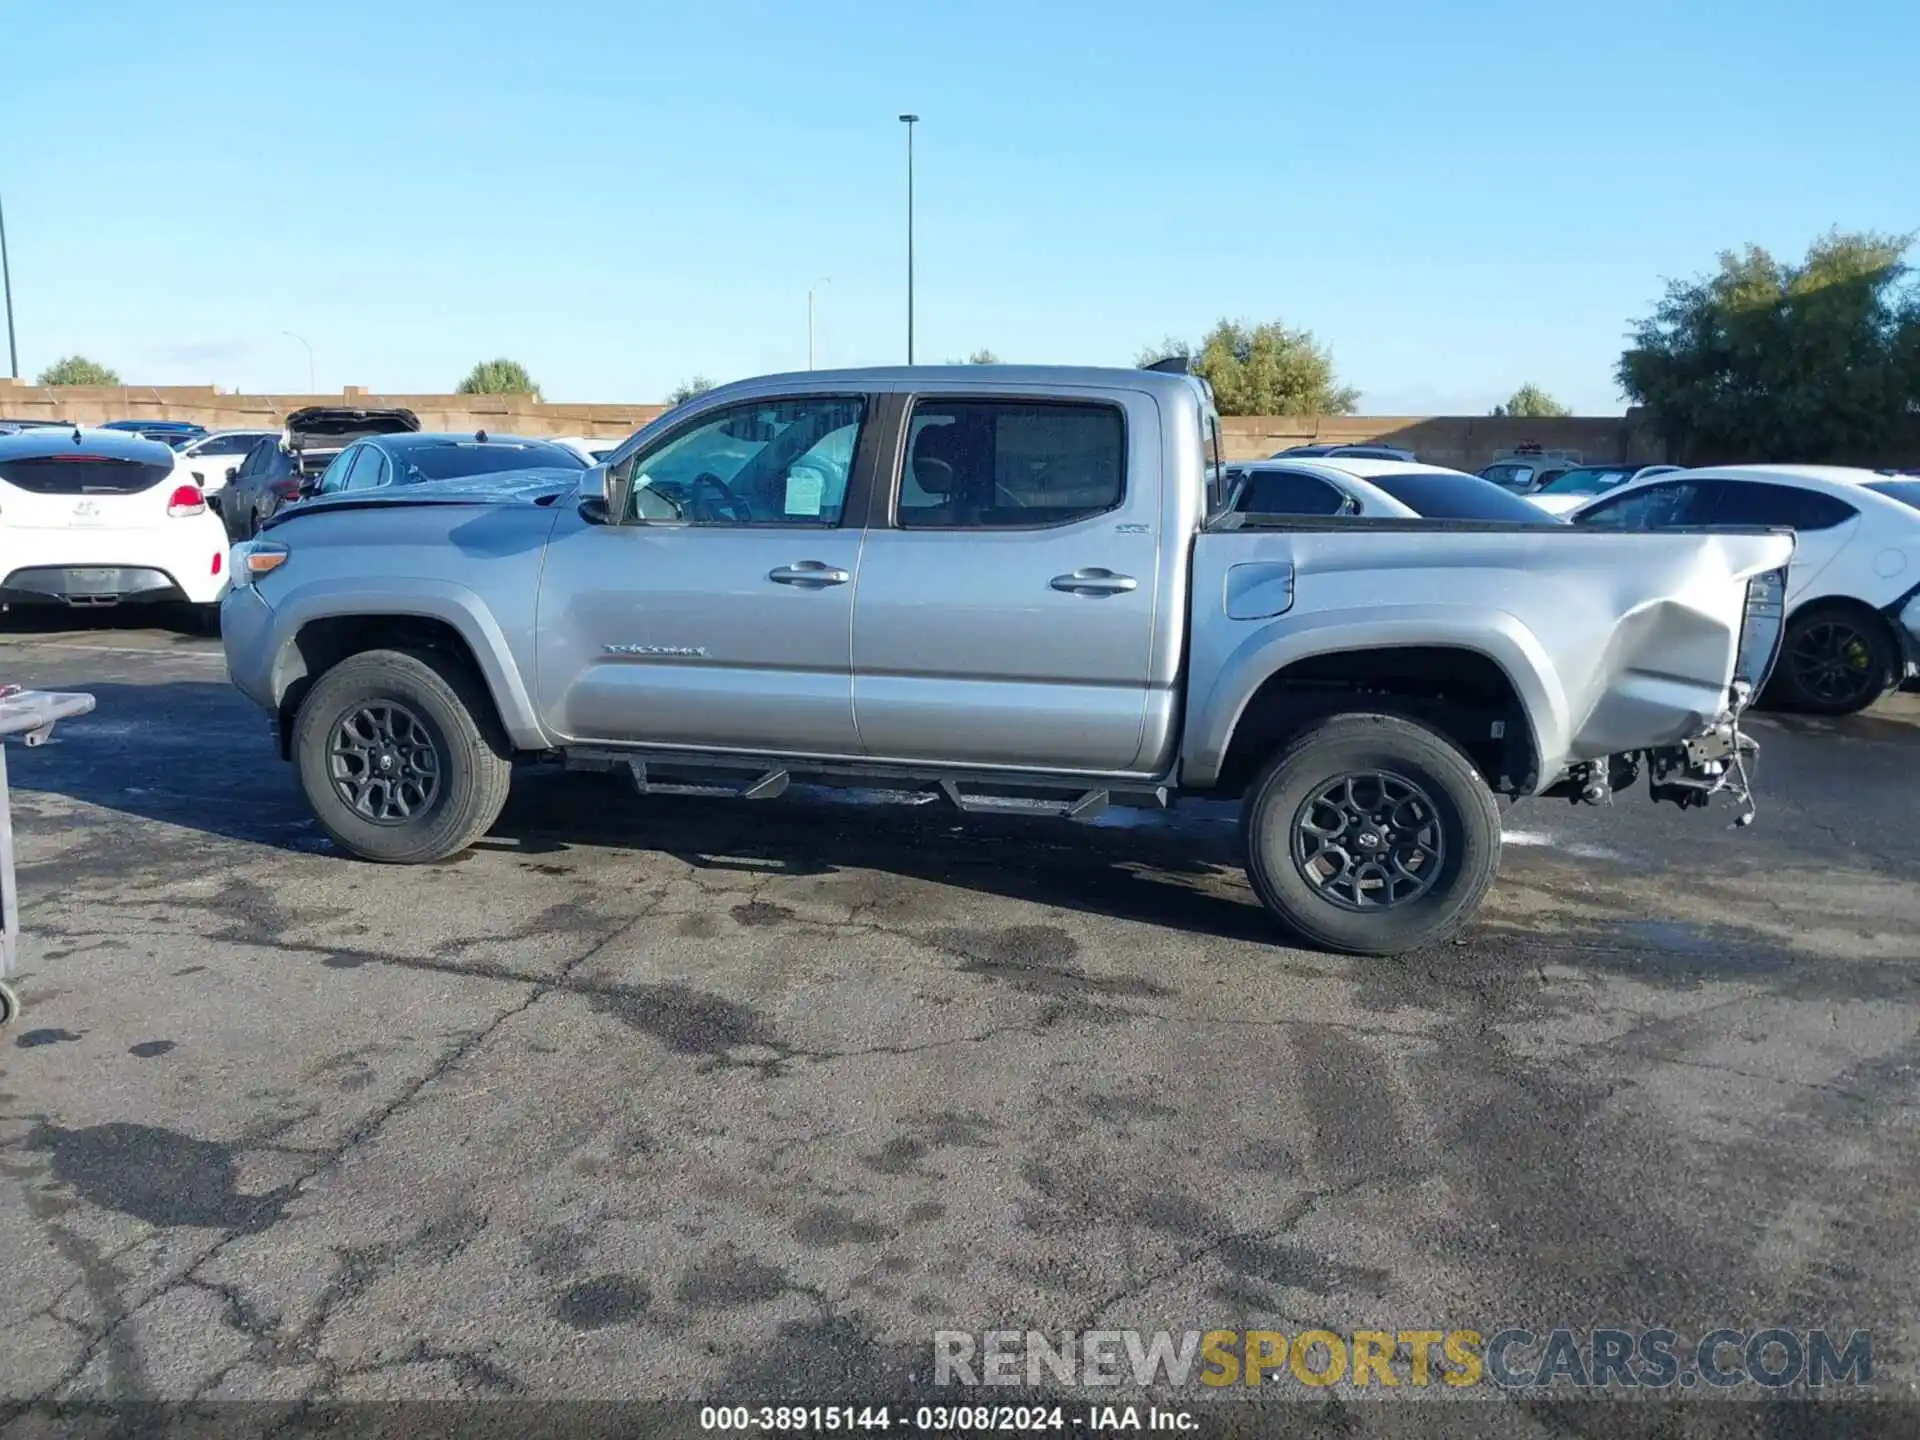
454,459
82,474
367,470
1652,507
763,462
1753,502
1907,492
256,457
1009,464
1436,495
1513,477
1589,480
334,478
1286,492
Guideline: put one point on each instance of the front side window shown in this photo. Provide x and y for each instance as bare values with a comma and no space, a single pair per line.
1010,464
1655,507
761,462
1289,492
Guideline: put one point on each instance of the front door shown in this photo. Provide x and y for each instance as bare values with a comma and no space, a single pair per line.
1006,606
716,613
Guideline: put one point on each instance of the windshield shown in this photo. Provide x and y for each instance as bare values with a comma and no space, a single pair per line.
1590,480
459,458
1907,492
1436,495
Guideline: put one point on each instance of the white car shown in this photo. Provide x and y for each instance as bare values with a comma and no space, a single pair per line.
206,459
590,448
1853,590
1377,489
100,517
1574,488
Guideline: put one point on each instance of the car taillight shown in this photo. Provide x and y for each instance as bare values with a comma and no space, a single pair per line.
287,489
186,500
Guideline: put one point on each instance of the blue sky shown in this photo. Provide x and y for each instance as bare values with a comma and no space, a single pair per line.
620,195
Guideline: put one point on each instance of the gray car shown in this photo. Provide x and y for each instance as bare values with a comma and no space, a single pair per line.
1021,588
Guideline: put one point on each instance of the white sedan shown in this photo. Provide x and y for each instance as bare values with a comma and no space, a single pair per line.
99,517
205,459
1853,589
1371,489
1574,488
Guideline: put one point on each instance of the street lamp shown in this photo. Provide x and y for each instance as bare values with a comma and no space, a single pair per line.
823,280
302,339
6,283
909,121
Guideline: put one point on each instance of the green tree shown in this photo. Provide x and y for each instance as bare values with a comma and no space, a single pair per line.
1167,349
1530,402
687,389
983,357
1265,369
498,377
1765,360
78,370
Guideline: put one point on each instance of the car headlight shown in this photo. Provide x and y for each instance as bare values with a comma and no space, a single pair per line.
1760,629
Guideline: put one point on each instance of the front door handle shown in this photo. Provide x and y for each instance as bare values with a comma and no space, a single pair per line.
809,575
1092,580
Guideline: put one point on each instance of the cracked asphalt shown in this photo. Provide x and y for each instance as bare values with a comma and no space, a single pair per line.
710,1100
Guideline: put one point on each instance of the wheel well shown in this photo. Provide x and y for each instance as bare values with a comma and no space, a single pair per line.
1859,609
322,644
1461,693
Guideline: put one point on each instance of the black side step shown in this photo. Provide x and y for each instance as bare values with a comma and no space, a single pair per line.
1084,806
764,785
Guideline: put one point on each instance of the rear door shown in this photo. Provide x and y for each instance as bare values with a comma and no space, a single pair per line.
1006,597
717,615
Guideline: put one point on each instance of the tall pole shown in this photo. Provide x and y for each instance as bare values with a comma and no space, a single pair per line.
909,121
303,340
6,282
823,280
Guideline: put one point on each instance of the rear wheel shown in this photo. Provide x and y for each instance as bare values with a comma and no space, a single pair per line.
1371,835
400,756
1834,660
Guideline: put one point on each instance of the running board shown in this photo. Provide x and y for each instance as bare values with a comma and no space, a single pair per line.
765,785
1085,806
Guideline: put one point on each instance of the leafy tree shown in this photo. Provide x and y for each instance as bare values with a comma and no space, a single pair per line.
1765,360
498,377
1530,402
983,357
1264,370
687,389
78,370
1167,349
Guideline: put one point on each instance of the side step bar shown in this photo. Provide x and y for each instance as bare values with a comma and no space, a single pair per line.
985,794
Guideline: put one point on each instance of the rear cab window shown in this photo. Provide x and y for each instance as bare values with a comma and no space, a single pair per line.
1010,464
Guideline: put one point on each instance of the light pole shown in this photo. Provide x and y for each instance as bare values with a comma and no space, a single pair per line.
6,283
909,121
303,340
823,280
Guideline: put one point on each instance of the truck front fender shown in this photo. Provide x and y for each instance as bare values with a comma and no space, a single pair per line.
440,600
1264,649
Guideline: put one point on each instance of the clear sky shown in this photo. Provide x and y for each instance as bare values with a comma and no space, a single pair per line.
1456,198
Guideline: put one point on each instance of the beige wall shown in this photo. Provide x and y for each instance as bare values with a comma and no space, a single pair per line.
1466,442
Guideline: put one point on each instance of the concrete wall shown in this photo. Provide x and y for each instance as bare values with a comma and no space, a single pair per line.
1464,442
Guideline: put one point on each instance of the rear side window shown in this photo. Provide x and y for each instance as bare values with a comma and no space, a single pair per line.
1753,502
1288,492
1436,495
1907,492
83,474
1010,464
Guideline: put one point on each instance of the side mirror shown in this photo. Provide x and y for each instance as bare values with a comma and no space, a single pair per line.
603,496
233,472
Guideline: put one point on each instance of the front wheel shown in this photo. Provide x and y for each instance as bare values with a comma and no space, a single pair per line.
1834,660
1371,835
400,756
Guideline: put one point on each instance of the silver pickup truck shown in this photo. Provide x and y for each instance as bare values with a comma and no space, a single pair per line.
1018,588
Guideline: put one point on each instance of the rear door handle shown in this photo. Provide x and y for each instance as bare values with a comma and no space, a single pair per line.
1092,580
809,575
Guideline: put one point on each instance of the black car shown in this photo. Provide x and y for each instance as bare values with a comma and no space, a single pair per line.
384,460
279,468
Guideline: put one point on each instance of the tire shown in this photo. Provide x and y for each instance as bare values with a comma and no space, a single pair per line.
429,700
1396,767
1834,660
